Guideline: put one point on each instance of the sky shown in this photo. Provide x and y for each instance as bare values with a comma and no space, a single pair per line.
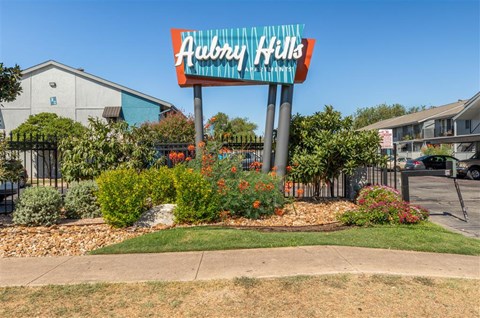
366,53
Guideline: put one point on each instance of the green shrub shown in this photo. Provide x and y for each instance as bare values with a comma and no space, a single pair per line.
196,200
81,200
383,205
38,206
161,185
122,195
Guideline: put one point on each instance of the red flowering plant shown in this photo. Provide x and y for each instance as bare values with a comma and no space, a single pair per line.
242,193
383,205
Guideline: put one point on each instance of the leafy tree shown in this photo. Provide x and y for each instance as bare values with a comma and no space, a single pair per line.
224,126
324,145
10,86
104,146
174,128
48,125
370,115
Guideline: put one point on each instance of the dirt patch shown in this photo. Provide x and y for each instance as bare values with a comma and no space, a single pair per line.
298,296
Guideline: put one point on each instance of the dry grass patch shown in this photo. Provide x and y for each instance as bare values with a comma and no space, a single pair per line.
299,296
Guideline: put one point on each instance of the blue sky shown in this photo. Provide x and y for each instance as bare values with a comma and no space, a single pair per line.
367,52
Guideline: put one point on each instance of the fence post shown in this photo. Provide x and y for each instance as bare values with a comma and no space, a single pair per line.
55,155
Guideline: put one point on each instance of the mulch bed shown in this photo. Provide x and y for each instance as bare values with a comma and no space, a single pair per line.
78,237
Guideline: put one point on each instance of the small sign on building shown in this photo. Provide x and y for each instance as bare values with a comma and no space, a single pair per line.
53,101
386,136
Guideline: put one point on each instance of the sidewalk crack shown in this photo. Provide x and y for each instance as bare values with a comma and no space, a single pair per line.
37,278
343,257
198,268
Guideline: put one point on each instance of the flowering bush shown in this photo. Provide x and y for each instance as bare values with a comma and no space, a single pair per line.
242,193
378,193
383,205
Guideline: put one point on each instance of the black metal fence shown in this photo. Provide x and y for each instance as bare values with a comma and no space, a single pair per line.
40,166
41,161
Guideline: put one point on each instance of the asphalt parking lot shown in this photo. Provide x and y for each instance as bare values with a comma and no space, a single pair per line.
438,194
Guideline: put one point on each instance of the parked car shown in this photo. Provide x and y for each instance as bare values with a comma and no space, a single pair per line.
429,162
399,165
469,167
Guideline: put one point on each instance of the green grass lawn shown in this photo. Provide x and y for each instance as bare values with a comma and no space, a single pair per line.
426,237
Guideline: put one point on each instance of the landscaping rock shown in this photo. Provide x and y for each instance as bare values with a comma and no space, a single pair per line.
160,214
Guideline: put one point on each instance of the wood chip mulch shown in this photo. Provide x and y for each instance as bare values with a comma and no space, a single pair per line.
81,236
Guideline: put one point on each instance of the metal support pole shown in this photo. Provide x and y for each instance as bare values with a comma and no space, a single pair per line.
198,111
281,155
395,165
268,139
405,187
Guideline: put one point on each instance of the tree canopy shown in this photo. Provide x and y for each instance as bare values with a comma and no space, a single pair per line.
370,115
10,86
324,144
49,125
224,126
174,128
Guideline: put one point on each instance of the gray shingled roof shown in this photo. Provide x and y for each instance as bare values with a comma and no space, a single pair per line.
112,112
440,112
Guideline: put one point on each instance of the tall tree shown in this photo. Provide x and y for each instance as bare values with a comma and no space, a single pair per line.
10,86
224,126
324,145
174,128
370,115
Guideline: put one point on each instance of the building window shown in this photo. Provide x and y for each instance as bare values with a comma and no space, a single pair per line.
468,124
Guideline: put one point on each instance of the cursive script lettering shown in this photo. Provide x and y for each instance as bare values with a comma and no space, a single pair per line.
287,51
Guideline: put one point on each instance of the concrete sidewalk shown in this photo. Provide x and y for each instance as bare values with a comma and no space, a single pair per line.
274,262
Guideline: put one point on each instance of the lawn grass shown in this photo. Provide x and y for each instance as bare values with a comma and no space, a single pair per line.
426,237
298,296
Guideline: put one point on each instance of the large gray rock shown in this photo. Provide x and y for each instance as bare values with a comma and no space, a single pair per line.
160,214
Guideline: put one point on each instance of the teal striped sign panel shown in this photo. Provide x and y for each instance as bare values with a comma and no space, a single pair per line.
261,54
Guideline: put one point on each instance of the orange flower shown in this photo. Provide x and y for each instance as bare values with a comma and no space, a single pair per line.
274,168
207,126
201,144
256,204
273,173
234,169
173,156
188,159
289,185
213,119
243,185
221,183
279,211
191,148
300,192
289,168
